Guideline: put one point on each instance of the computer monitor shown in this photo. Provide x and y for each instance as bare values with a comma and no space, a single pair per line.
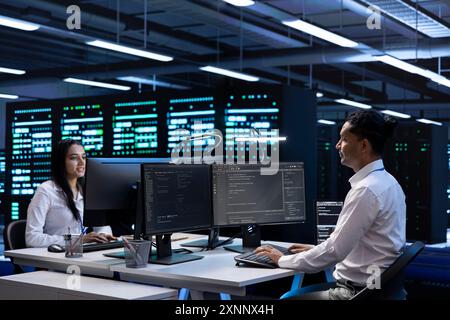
176,198
327,217
111,191
243,196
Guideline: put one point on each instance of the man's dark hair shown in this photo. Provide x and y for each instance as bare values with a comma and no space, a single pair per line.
59,175
371,125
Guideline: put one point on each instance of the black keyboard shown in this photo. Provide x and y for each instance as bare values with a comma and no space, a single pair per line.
252,260
90,247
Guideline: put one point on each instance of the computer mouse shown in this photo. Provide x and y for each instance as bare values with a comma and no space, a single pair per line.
55,248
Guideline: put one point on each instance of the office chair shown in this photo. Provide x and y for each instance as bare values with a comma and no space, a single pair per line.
14,238
391,282
392,279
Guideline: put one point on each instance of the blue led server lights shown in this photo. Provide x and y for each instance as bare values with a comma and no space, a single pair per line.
135,128
84,123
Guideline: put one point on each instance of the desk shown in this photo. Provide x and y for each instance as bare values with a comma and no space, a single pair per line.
92,263
45,285
216,272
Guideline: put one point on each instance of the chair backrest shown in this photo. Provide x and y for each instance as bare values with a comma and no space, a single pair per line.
391,279
14,235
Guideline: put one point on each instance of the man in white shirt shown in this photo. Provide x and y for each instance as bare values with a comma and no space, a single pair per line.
370,232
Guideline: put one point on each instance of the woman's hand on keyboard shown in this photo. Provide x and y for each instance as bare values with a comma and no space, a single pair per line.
95,237
270,252
108,236
300,247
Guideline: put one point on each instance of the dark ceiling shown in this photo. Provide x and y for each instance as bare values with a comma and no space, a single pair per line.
251,39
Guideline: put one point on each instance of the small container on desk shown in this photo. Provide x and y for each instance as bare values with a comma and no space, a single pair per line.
136,253
74,245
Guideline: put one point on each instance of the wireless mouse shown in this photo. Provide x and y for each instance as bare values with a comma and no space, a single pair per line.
55,248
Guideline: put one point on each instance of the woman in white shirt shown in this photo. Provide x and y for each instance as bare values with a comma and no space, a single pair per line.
57,206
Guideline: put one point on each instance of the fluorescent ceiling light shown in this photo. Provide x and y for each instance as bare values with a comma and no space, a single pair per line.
323,121
403,65
414,69
128,50
353,103
319,94
321,33
260,139
426,121
97,84
152,82
396,114
240,3
18,24
12,71
441,80
8,96
229,73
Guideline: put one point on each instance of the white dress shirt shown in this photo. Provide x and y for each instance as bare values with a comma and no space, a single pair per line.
370,230
49,217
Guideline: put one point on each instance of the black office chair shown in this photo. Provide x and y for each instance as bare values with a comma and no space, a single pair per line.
392,279
391,282
14,238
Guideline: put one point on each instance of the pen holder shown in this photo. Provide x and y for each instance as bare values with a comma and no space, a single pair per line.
74,245
137,253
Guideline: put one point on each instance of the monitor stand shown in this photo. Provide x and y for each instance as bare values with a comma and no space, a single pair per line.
251,239
164,253
212,242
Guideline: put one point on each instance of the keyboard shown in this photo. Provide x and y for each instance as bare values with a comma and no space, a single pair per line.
90,247
250,259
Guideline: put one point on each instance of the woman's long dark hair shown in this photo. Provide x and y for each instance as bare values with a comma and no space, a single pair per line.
59,175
